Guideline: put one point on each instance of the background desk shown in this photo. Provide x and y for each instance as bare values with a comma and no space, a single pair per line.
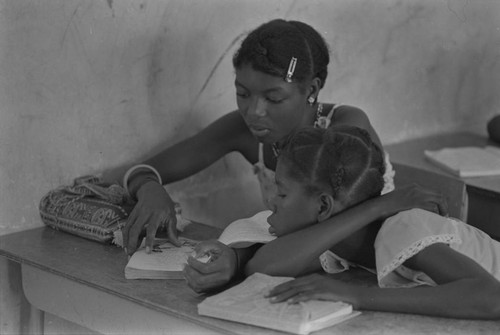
484,192
82,281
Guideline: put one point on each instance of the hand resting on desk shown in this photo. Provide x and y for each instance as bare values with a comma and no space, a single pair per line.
217,272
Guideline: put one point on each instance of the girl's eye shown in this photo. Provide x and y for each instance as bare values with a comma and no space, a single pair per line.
242,94
274,100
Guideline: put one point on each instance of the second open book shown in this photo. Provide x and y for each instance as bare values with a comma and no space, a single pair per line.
246,303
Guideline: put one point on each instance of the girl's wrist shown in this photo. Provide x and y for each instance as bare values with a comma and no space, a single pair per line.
140,178
137,176
236,272
143,186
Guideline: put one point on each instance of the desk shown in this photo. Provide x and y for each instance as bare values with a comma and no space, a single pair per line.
484,192
83,282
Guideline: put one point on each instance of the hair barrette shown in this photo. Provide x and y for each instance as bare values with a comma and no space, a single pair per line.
291,70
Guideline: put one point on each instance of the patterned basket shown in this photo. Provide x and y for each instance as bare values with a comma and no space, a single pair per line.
89,208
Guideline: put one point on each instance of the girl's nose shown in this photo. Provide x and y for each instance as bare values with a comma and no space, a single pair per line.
257,107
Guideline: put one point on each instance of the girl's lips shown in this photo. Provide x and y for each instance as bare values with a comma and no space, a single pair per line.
271,229
259,132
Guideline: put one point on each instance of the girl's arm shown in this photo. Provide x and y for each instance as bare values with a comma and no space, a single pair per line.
464,289
154,205
297,253
228,133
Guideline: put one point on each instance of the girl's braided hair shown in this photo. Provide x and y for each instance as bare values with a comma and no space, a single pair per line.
270,47
341,160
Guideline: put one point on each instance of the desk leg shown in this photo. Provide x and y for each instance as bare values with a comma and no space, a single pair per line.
17,314
98,310
36,321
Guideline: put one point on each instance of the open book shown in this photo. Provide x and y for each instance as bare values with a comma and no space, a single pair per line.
467,161
246,303
244,232
166,261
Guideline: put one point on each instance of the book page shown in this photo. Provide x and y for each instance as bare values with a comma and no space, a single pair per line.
164,256
245,232
246,303
466,161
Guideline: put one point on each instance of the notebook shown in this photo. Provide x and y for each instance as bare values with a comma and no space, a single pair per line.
467,161
246,303
166,261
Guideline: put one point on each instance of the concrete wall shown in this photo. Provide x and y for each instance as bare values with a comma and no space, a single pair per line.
91,86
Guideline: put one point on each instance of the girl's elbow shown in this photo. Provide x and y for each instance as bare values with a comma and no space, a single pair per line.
488,304
495,304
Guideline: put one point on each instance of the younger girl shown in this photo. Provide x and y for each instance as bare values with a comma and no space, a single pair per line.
323,172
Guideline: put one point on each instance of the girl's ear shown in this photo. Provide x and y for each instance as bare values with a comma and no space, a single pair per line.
314,88
326,206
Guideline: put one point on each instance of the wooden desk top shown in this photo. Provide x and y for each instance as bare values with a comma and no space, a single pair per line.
411,153
101,267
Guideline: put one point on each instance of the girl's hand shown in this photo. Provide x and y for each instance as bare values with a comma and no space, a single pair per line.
217,272
154,207
313,287
412,196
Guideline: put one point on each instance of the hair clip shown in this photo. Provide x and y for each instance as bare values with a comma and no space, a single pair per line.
291,70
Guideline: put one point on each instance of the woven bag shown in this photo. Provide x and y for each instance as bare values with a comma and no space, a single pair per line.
89,208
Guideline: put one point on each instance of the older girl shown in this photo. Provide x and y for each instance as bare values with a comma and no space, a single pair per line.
280,68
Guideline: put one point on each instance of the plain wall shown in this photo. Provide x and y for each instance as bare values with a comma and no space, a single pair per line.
91,87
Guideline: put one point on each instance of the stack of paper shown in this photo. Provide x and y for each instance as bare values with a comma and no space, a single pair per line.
467,161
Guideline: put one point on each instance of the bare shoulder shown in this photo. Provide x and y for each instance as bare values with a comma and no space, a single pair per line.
350,115
354,116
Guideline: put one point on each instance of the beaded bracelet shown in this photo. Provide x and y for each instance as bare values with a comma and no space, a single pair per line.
134,169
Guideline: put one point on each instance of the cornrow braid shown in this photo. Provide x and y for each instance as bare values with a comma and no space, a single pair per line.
319,50
341,160
270,47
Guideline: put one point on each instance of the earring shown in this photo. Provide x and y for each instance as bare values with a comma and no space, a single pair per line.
311,100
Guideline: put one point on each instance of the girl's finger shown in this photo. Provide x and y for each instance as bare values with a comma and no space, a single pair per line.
172,231
302,297
292,284
206,268
152,227
291,292
200,282
126,229
134,233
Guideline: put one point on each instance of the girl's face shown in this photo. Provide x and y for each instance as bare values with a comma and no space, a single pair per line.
293,208
271,107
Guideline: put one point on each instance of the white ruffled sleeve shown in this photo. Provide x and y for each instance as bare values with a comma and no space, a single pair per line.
388,175
404,235
332,263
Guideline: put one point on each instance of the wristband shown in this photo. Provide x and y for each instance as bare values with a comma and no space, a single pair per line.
134,169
